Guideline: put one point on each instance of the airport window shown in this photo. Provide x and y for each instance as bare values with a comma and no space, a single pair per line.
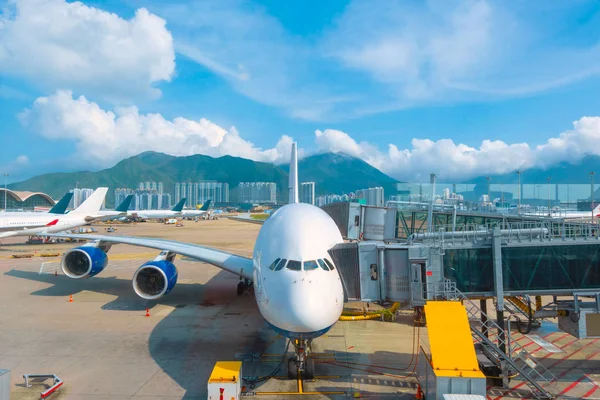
294,265
274,264
280,265
329,264
310,265
322,264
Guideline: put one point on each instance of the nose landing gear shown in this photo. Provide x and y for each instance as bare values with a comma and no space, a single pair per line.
302,362
243,285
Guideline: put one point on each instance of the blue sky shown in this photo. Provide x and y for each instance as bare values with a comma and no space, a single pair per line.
461,88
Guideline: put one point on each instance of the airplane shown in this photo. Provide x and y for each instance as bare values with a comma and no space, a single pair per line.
117,213
566,214
196,213
27,225
296,284
58,208
158,214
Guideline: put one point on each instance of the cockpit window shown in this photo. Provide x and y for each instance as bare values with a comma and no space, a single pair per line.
281,264
272,266
323,265
310,265
329,264
294,265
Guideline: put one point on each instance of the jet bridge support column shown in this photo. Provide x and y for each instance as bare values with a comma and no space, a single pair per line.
499,293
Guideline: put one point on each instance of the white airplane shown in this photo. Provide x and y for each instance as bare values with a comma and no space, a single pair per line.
566,214
196,213
27,225
158,214
296,285
117,213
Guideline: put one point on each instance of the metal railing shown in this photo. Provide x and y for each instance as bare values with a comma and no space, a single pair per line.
511,231
496,342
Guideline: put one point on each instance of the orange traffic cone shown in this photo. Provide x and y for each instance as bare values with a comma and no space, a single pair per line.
147,312
419,395
70,298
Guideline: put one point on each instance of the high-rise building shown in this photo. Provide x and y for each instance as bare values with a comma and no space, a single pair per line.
199,192
258,192
79,196
153,186
307,193
161,188
372,196
141,186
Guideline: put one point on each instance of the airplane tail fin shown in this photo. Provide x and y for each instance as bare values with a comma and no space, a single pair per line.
293,185
92,204
205,206
61,206
597,210
179,206
124,206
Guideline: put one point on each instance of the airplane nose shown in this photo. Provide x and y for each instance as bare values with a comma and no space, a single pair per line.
312,310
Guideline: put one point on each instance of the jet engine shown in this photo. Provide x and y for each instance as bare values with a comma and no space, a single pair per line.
83,262
154,279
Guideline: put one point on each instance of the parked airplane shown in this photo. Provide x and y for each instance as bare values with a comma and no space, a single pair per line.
296,285
117,213
196,213
566,214
59,208
158,214
27,225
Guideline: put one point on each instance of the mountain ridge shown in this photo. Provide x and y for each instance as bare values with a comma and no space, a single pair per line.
332,174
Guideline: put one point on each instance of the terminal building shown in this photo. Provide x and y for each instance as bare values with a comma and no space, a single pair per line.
28,201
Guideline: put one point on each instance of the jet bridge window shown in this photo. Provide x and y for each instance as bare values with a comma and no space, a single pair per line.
274,264
310,265
294,265
280,265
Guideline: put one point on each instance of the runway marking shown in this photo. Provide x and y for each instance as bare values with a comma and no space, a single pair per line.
549,347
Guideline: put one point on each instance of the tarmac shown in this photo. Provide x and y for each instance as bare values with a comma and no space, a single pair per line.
104,347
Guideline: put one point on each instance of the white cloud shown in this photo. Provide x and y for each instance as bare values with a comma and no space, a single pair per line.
59,44
459,161
104,137
22,160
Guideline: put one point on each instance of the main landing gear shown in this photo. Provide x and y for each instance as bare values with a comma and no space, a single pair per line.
244,285
302,362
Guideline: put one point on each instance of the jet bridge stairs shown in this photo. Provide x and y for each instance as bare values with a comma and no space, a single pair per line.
509,357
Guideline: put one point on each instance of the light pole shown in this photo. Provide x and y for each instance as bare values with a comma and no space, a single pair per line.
592,173
519,172
5,184
549,213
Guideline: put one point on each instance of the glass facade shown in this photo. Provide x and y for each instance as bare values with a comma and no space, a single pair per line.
471,269
526,268
14,202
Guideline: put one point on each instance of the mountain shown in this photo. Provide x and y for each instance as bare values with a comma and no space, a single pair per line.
563,172
332,173
340,173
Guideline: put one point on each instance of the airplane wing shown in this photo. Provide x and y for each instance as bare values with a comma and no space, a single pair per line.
235,264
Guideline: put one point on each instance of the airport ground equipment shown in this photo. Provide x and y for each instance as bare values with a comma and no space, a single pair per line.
225,381
56,383
4,384
449,364
494,341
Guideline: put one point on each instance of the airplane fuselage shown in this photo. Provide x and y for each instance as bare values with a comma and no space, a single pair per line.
299,296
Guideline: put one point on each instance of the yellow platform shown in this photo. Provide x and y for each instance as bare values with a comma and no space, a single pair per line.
450,341
226,371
